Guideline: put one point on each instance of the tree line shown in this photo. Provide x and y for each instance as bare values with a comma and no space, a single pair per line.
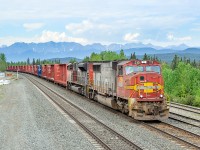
105,56
34,62
114,56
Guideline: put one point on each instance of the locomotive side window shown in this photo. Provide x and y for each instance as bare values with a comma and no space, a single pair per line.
153,69
120,70
141,78
131,69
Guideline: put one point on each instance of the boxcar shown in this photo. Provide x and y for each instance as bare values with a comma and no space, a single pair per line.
35,72
50,71
44,71
39,70
28,69
60,74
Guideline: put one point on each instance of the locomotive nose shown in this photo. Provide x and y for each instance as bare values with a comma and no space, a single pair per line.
149,85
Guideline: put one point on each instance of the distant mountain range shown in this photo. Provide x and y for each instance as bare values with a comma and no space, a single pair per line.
65,50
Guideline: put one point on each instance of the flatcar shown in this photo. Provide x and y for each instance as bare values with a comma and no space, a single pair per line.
134,87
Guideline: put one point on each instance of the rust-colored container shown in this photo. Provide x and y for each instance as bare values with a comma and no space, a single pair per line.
15,68
60,74
44,71
9,68
50,72
35,69
20,68
28,69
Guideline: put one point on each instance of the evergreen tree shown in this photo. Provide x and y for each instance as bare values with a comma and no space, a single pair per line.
33,62
188,61
194,64
154,57
28,61
37,61
157,59
122,56
175,62
133,56
185,59
145,57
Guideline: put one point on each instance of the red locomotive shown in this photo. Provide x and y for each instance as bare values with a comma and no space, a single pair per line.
134,87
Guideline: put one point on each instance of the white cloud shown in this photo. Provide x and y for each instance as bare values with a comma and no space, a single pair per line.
131,37
171,37
186,38
85,25
46,36
60,37
79,27
32,26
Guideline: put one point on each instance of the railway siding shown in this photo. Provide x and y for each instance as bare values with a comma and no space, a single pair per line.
194,114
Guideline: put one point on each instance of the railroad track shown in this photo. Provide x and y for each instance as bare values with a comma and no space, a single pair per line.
185,119
106,137
183,137
185,107
168,132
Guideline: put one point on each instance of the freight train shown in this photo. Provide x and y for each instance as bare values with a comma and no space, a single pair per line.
134,87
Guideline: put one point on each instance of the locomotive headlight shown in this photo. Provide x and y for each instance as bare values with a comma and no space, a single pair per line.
161,96
141,96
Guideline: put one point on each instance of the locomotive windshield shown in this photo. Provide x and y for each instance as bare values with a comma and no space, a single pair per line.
153,68
131,69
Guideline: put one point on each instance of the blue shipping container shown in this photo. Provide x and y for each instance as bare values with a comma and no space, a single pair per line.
39,69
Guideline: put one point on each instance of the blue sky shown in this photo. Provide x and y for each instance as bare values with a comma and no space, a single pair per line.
158,22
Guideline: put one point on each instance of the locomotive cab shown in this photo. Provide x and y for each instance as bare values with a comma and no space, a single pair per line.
141,83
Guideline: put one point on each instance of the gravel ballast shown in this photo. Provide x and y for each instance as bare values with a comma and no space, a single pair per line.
134,132
29,121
